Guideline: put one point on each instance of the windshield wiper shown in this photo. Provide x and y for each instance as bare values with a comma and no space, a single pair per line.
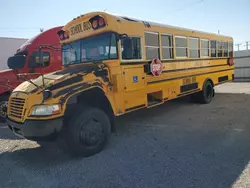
26,79
72,62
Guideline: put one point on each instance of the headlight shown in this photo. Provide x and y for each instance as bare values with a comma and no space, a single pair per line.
46,110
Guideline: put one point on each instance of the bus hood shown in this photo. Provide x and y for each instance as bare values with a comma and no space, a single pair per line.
56,80
40,83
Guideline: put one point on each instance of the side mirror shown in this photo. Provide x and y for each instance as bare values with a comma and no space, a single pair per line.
16,62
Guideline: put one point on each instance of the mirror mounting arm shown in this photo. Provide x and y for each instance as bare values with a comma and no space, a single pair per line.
122,36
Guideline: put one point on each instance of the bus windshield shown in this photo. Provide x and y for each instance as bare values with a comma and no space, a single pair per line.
99,47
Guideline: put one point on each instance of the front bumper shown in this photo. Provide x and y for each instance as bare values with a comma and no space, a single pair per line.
36,129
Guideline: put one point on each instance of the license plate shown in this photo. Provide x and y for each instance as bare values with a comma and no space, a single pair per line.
190,80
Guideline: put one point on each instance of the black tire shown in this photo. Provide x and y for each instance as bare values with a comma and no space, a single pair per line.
3,107
205,96
88,131
207,93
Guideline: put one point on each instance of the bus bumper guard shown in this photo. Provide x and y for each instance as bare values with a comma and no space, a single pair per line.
36,129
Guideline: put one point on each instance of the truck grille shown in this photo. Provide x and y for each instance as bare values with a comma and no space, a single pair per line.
16,108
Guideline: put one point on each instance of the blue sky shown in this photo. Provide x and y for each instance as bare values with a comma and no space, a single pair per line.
24,18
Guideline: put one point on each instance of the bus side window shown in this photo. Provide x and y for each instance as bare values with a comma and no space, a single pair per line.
181,47
213,48
225,45
167,46
152,45
230,46
205,48
194,51
131,48
219,49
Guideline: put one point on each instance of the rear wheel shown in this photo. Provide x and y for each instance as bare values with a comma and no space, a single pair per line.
88,131
3,107
206,95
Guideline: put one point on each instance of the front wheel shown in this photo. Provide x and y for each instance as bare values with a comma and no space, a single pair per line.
88,131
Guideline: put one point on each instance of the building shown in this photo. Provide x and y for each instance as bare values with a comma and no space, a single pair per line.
8,47
242,66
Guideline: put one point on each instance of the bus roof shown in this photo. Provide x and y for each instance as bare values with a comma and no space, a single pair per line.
164,25
125,18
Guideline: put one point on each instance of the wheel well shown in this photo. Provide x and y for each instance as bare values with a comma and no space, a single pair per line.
7,94
94,97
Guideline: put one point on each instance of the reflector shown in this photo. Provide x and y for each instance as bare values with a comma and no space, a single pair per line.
101,21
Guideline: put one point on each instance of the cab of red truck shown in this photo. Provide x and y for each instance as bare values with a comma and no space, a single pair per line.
24,60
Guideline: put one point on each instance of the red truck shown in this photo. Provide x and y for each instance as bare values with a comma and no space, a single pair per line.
52,61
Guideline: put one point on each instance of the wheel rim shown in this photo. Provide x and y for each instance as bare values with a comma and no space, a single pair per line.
91,133
209,92
3,108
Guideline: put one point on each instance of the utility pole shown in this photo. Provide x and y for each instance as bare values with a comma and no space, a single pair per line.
247,45
238,45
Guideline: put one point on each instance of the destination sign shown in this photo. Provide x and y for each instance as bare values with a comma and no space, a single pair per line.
79,28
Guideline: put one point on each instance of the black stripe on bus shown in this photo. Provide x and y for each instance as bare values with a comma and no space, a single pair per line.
201,59
219,83
134,63
170,61
65,83
189,92
176,78
189,87
222,78
135,107
192,68
147,68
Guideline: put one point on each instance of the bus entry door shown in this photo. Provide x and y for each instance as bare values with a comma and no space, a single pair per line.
134,85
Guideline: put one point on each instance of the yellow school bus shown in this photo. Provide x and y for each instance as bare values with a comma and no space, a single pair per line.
113,65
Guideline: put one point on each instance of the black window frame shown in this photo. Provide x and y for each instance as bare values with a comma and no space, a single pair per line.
80,41
140,48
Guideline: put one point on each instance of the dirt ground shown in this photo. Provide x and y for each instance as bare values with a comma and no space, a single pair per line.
178,144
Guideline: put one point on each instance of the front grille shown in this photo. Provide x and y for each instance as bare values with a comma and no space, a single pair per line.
16,108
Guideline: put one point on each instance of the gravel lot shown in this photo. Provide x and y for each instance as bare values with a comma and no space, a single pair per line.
178,144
